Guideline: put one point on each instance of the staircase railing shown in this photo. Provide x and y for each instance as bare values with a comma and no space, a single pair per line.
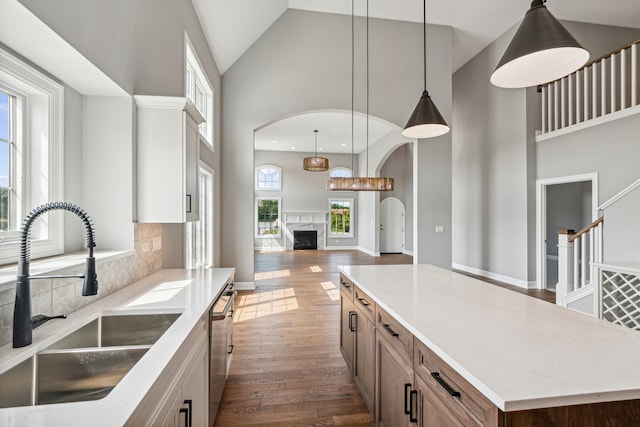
603,86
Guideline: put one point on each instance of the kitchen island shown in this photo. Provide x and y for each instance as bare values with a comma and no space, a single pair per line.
522,360
146,394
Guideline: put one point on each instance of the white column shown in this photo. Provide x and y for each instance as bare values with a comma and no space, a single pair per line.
565,266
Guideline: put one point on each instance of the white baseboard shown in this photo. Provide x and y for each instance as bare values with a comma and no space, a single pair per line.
268,249
574,296
410,253
341,248
368,252
489,275
244,286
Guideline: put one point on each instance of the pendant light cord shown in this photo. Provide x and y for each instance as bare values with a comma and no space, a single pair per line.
424,41
352,79
316,144
367,140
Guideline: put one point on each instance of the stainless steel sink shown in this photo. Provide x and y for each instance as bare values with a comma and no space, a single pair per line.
86,364
59,376
118,330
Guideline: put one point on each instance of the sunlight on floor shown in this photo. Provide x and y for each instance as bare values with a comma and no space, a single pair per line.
315,269
266,303
332,290
272,274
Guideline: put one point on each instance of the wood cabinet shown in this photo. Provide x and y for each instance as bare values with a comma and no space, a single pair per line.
180,397
167,159
347,325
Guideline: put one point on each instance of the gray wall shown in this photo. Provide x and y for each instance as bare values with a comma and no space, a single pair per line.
304,191
399,166
496,160
140,46
302,63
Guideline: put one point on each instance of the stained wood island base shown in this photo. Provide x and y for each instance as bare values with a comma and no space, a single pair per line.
431,347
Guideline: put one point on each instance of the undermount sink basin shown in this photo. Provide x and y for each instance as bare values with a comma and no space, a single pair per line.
118,330
86,364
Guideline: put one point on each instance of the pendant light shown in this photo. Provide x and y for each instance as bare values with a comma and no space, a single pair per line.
315,163
541,51
426,121
359,183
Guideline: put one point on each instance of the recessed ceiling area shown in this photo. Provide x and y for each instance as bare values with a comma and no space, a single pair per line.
232,26
334,133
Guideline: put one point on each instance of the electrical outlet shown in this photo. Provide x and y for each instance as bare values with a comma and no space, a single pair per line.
157,243
439,228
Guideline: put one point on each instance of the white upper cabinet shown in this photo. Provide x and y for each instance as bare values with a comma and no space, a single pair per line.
167,159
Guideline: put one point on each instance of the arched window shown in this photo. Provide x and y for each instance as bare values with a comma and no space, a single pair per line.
269,177
340,173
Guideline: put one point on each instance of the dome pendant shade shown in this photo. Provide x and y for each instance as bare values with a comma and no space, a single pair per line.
426,121
359,184
315,164
541,51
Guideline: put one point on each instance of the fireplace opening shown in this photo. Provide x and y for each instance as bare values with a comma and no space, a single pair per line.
305,239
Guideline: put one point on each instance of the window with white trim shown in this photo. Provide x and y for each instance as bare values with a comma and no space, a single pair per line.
200,233
340,172
341,212
199,91
269,177
268,217
31,149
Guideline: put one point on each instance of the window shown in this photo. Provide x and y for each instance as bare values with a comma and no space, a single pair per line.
341,223
269,177
200,233
340,173
199,91
31,117
268,217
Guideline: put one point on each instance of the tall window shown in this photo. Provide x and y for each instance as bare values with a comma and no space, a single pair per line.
268,177
200,92
200,233
31,118
268,217
341,217
340,173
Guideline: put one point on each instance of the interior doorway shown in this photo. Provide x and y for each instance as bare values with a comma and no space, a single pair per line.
563,203
392,226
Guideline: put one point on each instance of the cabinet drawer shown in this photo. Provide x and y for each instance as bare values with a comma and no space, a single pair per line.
365,304
453,390
346,286
402,338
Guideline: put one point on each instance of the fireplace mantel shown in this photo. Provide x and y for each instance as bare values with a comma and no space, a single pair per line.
305,217
305,221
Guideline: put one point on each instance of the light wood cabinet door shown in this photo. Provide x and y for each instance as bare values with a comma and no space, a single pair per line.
365,368
394,382
348,320
433,411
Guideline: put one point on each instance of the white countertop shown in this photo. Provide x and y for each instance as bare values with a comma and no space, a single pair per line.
188,291
519,351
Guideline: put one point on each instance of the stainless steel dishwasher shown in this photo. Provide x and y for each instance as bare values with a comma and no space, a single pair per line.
221,346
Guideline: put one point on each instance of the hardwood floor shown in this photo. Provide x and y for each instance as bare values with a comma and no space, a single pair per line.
287,368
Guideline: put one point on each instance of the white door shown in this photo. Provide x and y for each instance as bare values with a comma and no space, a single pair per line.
391,225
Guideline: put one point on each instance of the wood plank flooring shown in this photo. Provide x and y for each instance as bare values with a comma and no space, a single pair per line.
287,368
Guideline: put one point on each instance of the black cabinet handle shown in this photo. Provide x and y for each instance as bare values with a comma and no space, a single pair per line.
185,411
391,331
407,405
189,403
188,203
230,349
363,302
444,385
412,397
346,285
352,327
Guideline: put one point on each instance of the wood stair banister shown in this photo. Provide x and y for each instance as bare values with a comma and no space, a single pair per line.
586,229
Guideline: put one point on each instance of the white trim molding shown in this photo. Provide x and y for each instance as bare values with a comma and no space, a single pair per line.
489,275
368,252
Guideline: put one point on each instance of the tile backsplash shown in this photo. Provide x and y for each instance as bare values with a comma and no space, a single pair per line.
67,293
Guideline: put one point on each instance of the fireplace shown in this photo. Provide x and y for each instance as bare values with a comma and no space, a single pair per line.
305,239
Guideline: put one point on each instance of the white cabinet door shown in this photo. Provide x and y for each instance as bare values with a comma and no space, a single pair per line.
167,159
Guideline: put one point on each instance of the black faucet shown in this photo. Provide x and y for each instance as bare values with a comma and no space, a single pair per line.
23,323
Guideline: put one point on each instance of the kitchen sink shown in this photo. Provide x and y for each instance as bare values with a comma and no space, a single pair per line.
86,364
118,330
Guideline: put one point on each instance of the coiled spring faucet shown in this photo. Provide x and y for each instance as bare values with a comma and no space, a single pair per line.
23,323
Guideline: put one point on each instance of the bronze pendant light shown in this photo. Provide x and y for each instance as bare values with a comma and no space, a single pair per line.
359,183
426,121
315,163
541,51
